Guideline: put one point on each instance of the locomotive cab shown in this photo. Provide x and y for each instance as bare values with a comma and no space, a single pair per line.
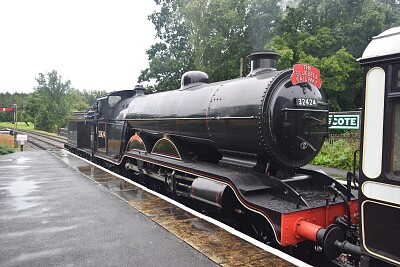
110,130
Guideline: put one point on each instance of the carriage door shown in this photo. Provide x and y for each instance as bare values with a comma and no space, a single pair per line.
380,164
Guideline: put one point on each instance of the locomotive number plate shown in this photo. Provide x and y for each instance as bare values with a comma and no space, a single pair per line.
306,102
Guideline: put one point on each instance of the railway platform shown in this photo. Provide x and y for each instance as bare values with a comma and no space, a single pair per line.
57,210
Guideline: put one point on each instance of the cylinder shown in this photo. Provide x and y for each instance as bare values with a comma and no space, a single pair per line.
208,192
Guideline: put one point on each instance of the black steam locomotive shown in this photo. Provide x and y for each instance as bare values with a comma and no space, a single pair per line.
236,149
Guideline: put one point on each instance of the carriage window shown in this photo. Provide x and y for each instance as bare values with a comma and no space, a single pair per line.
395,154
396,78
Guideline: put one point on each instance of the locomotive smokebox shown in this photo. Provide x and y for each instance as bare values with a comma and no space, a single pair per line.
263,61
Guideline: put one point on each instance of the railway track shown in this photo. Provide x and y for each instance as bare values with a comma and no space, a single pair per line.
41,141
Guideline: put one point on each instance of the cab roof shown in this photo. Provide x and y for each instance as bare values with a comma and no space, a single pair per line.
126,93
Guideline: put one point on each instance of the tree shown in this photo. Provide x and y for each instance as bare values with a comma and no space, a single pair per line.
332,34
7,100
218,36
49,104
213,35
373,18
172,56
263,20
91,96
208,35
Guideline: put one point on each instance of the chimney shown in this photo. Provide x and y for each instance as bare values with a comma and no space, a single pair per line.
139,90
263,61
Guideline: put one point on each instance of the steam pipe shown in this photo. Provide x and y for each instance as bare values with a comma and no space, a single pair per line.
307,230
354,166
349,177
346,203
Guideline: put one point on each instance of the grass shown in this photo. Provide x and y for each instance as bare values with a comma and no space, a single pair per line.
20,125
5,150
23,126
338,154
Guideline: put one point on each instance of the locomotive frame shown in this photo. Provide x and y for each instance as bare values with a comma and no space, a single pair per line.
228,158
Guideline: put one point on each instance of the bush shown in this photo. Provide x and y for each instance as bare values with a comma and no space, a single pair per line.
338,154
5,150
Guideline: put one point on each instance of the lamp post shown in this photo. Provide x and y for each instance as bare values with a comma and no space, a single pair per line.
15,124
15,107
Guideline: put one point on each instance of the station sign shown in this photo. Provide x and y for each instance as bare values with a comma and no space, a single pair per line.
344,121
21,137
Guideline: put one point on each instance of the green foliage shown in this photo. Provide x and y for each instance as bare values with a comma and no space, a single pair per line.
49,104
213,35
7,100
76,100
5,150
218,36
90,96
328,34
208,35
53,100
172,56
338,154
370,18
263,20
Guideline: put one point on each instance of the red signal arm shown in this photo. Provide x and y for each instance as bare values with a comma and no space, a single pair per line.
7,109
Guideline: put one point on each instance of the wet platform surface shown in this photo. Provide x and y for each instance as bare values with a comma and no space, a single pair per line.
51,214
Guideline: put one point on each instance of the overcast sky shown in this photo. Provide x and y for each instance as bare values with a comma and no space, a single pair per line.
96,44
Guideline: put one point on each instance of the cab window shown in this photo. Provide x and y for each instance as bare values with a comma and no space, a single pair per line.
102,104
112,100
